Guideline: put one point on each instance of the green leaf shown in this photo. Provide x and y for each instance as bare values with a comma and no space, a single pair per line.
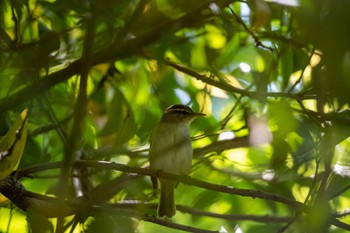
38,223
282,115
108,223
12,145
120,122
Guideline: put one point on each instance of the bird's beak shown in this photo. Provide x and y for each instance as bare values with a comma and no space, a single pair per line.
197,114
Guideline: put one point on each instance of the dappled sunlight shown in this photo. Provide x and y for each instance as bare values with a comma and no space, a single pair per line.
244,67
342,169
167,116
226,136
259,132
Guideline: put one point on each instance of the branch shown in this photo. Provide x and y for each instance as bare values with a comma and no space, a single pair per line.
235,217
52,207
217,146
340,224
113,210
11,188
197,212
220,146
175,225
250,32
227,87
160,174
342,214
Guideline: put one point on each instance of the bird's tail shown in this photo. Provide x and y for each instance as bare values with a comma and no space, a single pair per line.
167,200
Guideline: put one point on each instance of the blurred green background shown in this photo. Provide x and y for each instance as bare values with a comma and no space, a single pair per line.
273,78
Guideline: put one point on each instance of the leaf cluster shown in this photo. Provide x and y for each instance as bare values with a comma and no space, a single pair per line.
272,77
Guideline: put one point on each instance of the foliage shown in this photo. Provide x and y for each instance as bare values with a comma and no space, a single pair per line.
272,77
12,145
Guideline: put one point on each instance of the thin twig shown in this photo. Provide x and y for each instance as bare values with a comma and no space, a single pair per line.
230,114
235,217
302,72
340,224
346,188
258,43
220,146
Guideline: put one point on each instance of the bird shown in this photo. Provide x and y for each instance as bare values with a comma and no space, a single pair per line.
171,151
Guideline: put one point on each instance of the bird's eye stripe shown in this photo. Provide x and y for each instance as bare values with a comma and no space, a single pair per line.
183,111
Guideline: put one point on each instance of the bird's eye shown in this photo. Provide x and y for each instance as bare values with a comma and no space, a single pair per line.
185,113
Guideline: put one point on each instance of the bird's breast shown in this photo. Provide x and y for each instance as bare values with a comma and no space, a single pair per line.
171,148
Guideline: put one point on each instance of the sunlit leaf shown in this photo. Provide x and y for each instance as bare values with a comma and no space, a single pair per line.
12,145
282,115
